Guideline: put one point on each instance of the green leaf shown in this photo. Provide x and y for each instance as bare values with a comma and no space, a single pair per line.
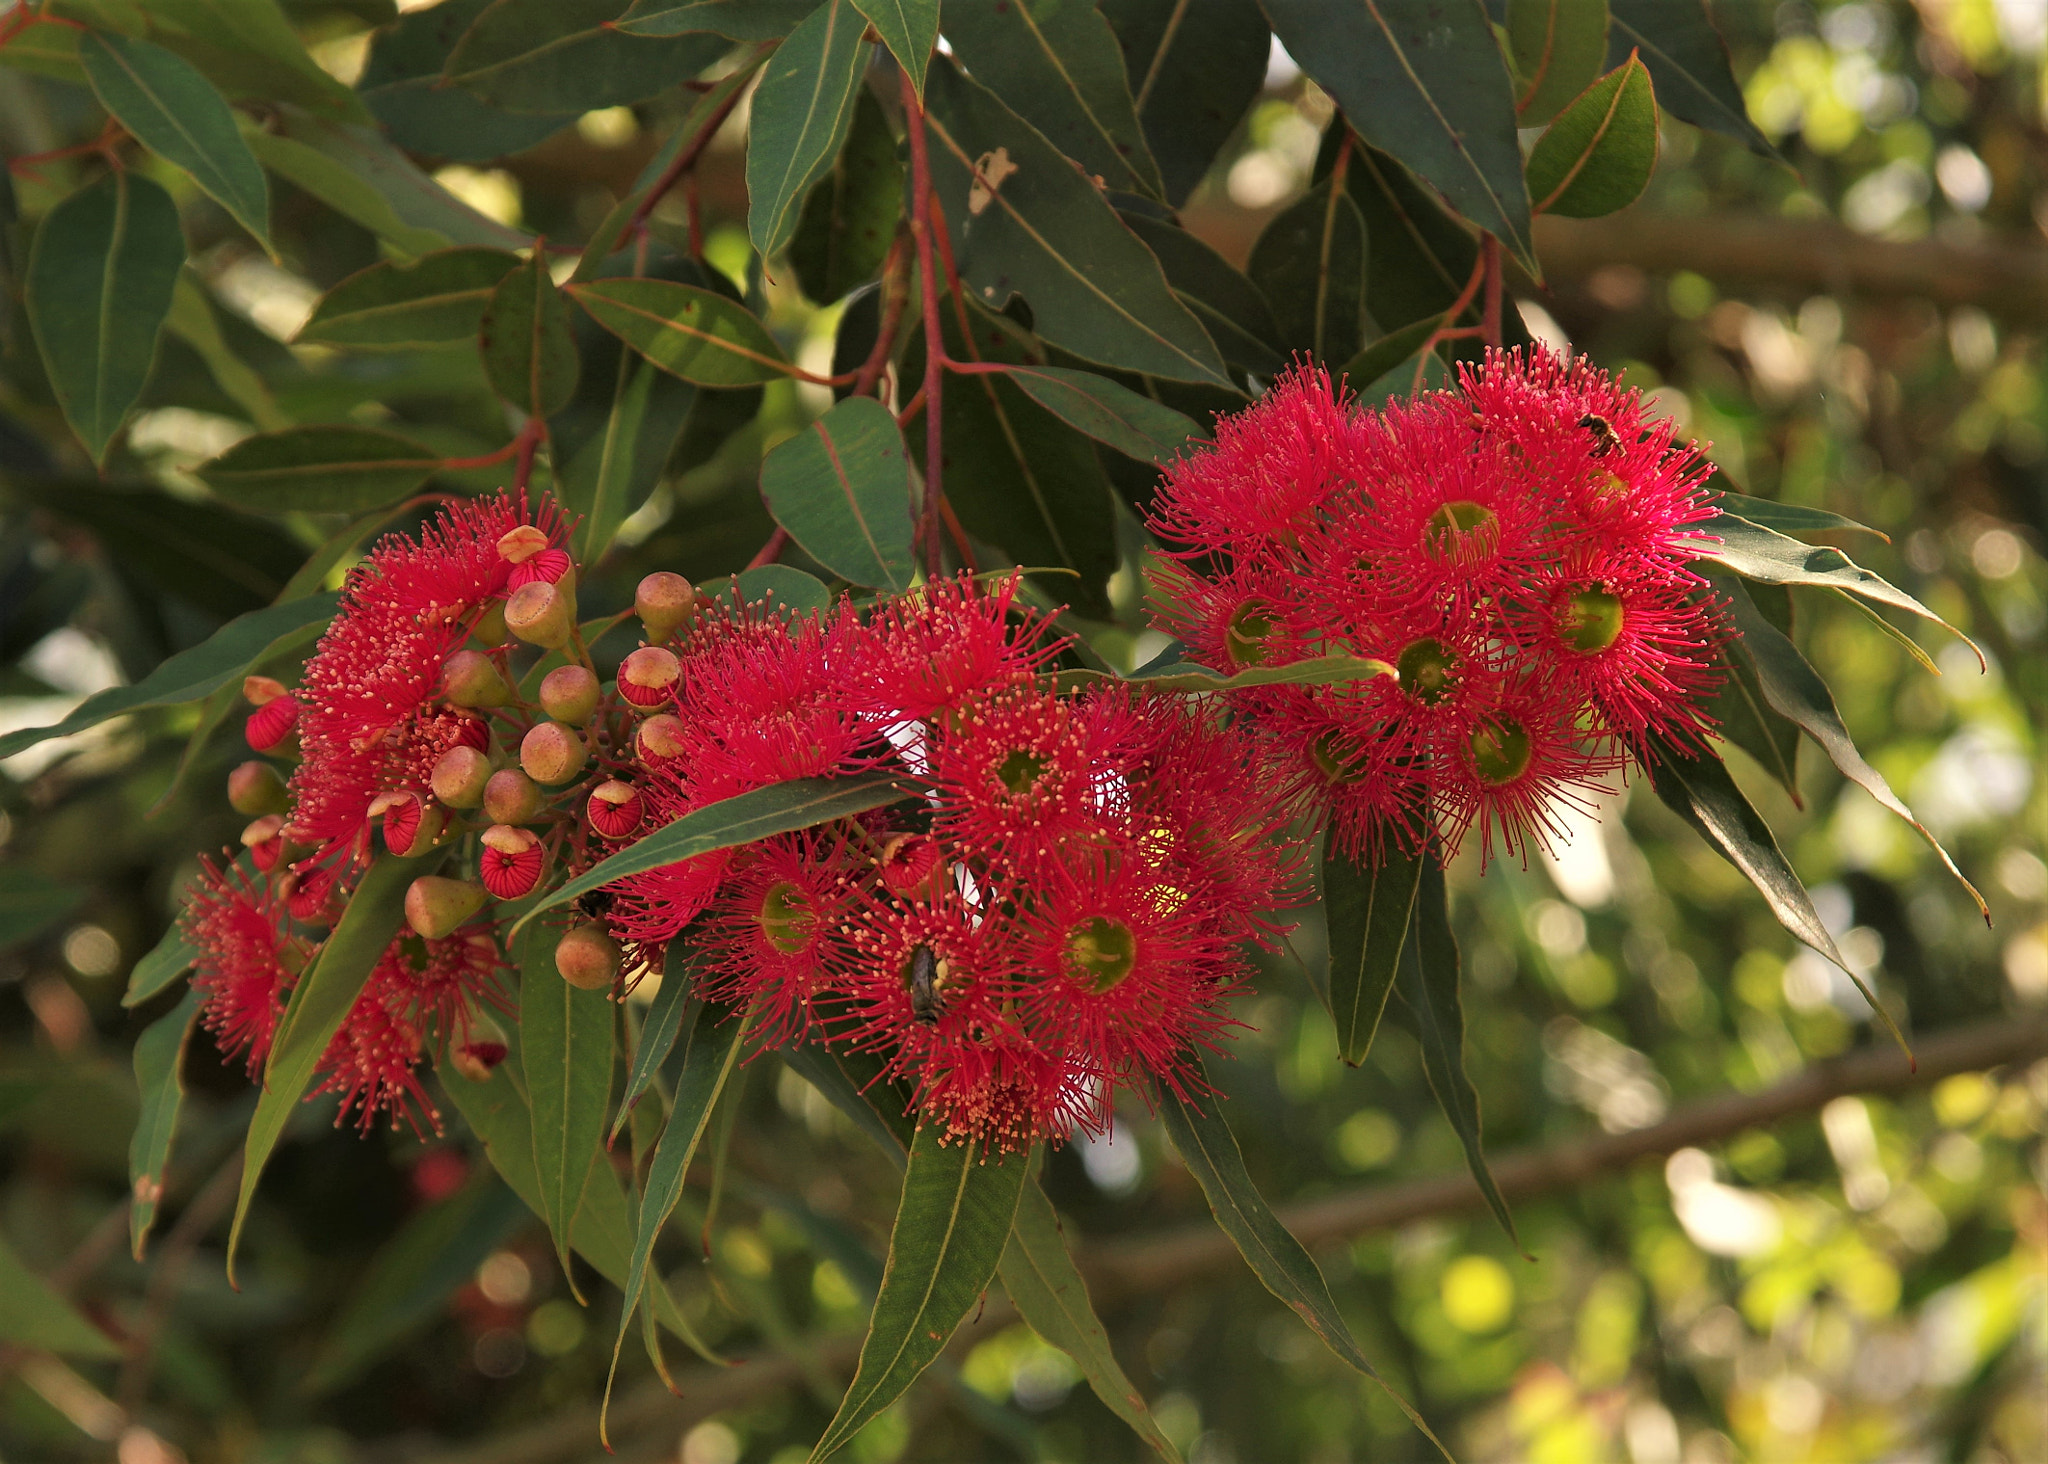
1052,1297
1044,231
223,657
1428,982
565,1039
164,963
31,902
99,286
159,1055
1556,47
1185,676
853,1083
612,473
696,334
801,112
1745,717
1790,518
1194,70
320,469
401,85
1229,306
1210,1151
192,320
951,1228
910,29
786,589
318,1004
174,111
1058,66
409,1281
850,216
842,489
1597,157
1310,261
1371,910
1112,414
780,808
1420,257
435,299
564,56
247,47
1391,350
34,1315
529,353
658,1031
739,20
1689,62
1798,692
1425,81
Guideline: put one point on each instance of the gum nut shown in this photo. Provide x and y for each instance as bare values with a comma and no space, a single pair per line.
569,694
587,957
261,691
659,737
649,675
511,797
255,788
663,602
409,823
459,776
471,679
435,905
521,544
540,615
552,753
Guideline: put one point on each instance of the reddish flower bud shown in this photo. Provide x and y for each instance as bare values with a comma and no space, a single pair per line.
540,615
436,905
512,861
552,753
663,602
660,736
615,808
472,679
459,777
649,675
410,825
569,694
908,862
307,892
264,839
550,566
475,1058
272,722
510,797
587,957
261,691
255,788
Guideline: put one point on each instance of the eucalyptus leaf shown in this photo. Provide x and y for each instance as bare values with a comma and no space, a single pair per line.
159,1057
320,469
32,902
401,85
739,20
1557,48
802,110
658,1029
693,333
1371,911
1597,157
1194,70
435,299
1689,62
850,215
162,964
33,1315
523,333
1310,260
1112,414
565,1046
910,29
842,488
553,56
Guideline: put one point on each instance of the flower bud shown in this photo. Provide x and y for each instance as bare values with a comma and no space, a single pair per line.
663,602
512,861
459,777
472,679
615,808
479,1052
272,722
521,544
261,691
540,615
552,753
659,737
490,630
307,893
587,957
908,862
510,797
255,788
569,695
436,905
649,675
410,825
264,839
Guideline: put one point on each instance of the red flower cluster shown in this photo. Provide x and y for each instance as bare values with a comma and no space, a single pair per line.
1511,550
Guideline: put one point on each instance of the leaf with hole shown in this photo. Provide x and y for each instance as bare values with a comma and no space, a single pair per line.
1597,157
802,110
435,299
320,469
1310,262
159,1056
842,488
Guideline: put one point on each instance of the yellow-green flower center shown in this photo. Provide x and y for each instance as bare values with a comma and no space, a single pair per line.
1590,620
1425,668
1020,771
787,921
1245,636
1455,522
1499,750
1101,952
1339,758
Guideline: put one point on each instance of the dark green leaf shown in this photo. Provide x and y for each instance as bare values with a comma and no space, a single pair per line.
1744,716
612,473
529,353
1230,307
320,469
739,20
565,1041
1058,66
1689,62
33,1315
1790,518
1051,1296
175,112
1597,157
563,56
696,334
1394,349
778,809
801,112
194,321
1557,48
31,902
1113,415
1425,81
434,300
852,1082
777,585
223,658
248,47
951,1227
1210,1151
850,216
1184,676
910,29
1370,911
1044,231
159,1054
1310,261
658,1030
401,85
100,279
1428,982
162,964
842,489
1194,70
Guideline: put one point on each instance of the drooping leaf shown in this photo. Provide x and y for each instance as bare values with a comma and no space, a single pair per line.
1194,69
1597,157
162,964
434,300
159,1056
1184,676
401,85
193,321
1424,80
330,179
1052,1297
1023,221
1689,62
325,468
31,902
1790,518
1230,307
1744,716
1557,47
100,279
551,56
850,215
951,1227
1059,67
1371,910
852,1082
33,1315
565,1044
1210,1151
696,334
523,333
1310,261
910,29
248,48
658,1030
1428,982
738,20
223,657
612,473
1112,414
801,112
842,488
174,111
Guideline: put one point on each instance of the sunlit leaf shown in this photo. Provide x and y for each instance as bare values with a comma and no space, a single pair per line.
801,112
1597,157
